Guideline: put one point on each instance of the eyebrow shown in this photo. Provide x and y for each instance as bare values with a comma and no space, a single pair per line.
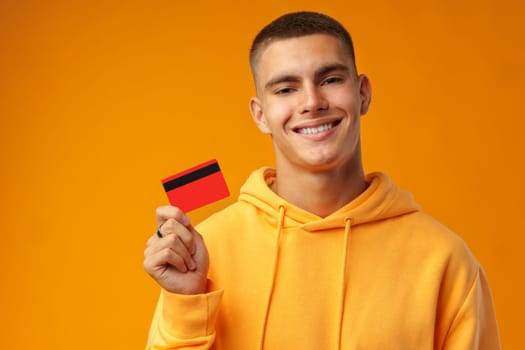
329,68
287,78
290,78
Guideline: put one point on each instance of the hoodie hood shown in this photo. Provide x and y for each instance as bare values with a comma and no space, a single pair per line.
381,200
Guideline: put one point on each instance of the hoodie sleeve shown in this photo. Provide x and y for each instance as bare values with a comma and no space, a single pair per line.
184,321
474,327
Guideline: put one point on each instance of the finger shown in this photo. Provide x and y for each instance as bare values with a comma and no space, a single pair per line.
176,245
170,212
173,242
159,260
152,239
201,253
171,226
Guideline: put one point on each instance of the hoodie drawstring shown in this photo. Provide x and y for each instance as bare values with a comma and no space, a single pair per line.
348,224
280,223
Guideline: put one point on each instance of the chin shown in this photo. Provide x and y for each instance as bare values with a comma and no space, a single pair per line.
333,162
325,164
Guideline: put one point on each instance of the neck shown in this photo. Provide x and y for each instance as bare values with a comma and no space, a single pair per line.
320,192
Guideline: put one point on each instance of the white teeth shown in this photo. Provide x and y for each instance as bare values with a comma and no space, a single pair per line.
316,130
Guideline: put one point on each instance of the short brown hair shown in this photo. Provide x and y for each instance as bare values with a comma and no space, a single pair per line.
297,24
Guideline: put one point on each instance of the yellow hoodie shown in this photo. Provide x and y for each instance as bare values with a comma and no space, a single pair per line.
376,274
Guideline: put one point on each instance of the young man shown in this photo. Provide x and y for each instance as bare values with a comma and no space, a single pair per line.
314,254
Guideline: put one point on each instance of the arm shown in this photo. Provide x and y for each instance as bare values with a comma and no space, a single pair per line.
474,326
184,321
178,262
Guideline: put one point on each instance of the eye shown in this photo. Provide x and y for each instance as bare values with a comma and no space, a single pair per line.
331,80
284,91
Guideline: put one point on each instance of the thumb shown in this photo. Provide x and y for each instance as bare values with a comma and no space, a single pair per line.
200,256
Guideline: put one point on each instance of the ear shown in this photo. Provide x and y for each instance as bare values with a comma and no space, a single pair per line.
365,92
258,115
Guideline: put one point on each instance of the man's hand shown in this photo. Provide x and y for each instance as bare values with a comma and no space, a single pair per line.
179,260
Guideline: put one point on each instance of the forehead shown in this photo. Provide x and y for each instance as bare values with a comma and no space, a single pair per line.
299,54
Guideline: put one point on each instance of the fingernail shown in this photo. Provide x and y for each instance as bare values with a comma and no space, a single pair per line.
185,220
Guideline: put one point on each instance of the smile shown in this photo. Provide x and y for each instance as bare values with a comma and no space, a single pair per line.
318,129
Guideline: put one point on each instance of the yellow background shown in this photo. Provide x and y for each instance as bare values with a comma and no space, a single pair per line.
100,100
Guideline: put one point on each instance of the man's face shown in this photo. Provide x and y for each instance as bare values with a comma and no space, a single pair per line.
310,100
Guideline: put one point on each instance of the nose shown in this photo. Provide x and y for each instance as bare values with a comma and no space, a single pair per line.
314,100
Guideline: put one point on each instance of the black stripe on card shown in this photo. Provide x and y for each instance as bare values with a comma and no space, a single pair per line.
190,177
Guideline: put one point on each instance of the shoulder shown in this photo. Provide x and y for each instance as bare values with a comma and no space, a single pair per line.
424,227
443,245
428,245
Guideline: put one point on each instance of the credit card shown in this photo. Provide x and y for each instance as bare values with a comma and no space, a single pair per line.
195,187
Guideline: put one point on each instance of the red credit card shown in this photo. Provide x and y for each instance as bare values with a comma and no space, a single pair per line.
196,187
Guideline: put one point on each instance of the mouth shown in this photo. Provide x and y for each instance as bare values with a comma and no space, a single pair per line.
317,129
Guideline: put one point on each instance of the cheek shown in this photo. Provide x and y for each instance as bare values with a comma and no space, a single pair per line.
348,102
278,112
351,107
